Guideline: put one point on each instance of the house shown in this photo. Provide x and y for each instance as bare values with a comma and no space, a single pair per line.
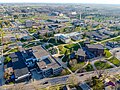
86,42
13,39
19,67
54,14
77,23
28,23
27,38
67,87
76,37
43,32
106,32
54,26
58,20
62,20
111,44
96,49
28,57
96,35
81,55
62,37
85,86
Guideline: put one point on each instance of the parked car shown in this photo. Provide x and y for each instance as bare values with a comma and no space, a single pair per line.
81,74
45,83
0,63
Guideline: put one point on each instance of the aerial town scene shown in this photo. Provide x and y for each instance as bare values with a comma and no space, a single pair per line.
59,46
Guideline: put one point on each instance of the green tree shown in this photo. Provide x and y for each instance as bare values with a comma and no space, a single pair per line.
7,59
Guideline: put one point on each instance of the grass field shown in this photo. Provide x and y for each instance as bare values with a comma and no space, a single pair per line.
115,61
77,66
89,67
102,65
107,53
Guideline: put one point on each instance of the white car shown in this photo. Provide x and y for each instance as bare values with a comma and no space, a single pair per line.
0,63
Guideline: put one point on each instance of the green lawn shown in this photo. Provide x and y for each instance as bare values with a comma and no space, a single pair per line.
74,46
115,61
89,67
32,30
96,83
10,50
77,66
63,49
7,59
107,53
53,41
69,47
13,50
102,65
48,46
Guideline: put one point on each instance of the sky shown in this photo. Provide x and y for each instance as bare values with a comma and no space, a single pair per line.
63,1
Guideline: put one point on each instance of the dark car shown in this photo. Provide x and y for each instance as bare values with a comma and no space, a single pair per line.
0,63
81,74
45,83
118,81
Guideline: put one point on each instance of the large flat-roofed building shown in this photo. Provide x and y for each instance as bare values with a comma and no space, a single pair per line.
47,64
96,49
39,52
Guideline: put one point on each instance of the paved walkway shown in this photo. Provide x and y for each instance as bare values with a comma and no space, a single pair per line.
82,67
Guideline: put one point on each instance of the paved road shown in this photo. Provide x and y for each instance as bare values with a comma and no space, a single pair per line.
63,79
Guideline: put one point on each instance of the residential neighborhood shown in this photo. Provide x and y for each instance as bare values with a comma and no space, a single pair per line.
59,46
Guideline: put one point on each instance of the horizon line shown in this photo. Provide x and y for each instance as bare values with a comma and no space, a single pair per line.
56,3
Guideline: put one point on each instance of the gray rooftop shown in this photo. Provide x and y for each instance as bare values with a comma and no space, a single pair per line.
39,52
95,46
81,52
48,63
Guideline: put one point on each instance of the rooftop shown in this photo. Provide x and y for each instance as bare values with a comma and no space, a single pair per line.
39,52
81,52
19,66
97,46
48,63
